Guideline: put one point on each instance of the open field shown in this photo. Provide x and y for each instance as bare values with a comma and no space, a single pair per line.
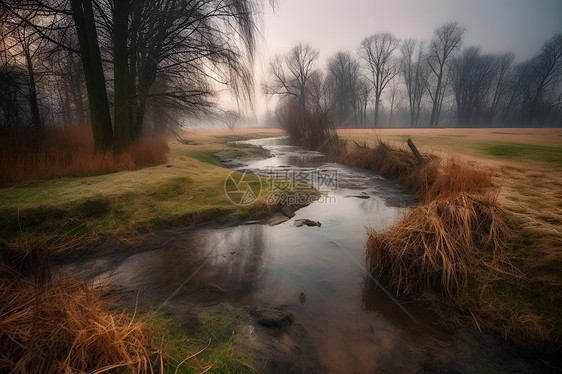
518,144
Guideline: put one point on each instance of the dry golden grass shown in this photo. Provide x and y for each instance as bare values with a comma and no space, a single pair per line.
55,153
494,253
437,245
437,178
64,326
452,139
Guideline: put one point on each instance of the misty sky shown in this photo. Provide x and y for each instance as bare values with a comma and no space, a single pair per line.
519,26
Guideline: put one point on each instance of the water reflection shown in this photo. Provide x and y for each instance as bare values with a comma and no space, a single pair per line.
353,327
204,261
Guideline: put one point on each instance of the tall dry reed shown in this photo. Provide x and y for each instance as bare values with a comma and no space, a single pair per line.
61,152
64,326
437,244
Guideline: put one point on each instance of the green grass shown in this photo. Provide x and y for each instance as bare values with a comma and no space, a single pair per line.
523,152
221,335
206,155
188,190
502,150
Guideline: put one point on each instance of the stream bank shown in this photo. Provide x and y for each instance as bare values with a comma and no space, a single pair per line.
308,301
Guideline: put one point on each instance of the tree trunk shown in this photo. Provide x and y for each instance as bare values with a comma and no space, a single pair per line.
435,106
76,87
122,129
377,103
133,65
83,16
33,102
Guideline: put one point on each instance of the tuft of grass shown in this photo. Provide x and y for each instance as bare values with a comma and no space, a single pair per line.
434,179
214,339
437,245
64,326
69,152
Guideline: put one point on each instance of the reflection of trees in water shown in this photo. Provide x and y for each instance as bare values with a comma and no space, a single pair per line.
194,260
247,242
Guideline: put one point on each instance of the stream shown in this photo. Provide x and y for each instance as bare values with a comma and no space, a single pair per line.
343,321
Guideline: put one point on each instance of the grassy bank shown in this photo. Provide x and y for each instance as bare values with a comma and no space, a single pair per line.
66,325
215,339
484,246
186,190
26,155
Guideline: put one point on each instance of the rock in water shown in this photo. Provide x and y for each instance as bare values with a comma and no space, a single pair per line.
307,222
273,317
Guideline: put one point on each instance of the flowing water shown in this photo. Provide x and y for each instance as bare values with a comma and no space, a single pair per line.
349,323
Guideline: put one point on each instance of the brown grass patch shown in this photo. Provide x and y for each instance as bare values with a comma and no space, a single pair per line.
436,178
64,326
461,252
68,152
437,244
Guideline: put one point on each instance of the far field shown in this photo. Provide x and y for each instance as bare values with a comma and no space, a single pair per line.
526,163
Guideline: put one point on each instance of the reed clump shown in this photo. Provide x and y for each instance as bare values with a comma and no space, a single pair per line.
64,326
433,179
69,152
437,245
459,250
457,223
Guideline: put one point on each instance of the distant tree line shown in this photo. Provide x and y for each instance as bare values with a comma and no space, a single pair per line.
429,84
120,65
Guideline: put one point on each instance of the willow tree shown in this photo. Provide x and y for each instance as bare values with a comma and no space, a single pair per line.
167,51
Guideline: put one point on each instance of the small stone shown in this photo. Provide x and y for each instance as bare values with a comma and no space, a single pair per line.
275,317
307,222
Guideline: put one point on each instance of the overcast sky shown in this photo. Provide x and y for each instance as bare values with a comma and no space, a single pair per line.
519,26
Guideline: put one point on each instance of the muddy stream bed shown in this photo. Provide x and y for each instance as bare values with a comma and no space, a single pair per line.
340,320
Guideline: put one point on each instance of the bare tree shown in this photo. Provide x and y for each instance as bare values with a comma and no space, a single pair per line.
472,75
162,51
447,38
377,52
24,47
363,95
344,75
291,74
87,33
501,86
413,73
394,98
231,118
301,88
547,69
